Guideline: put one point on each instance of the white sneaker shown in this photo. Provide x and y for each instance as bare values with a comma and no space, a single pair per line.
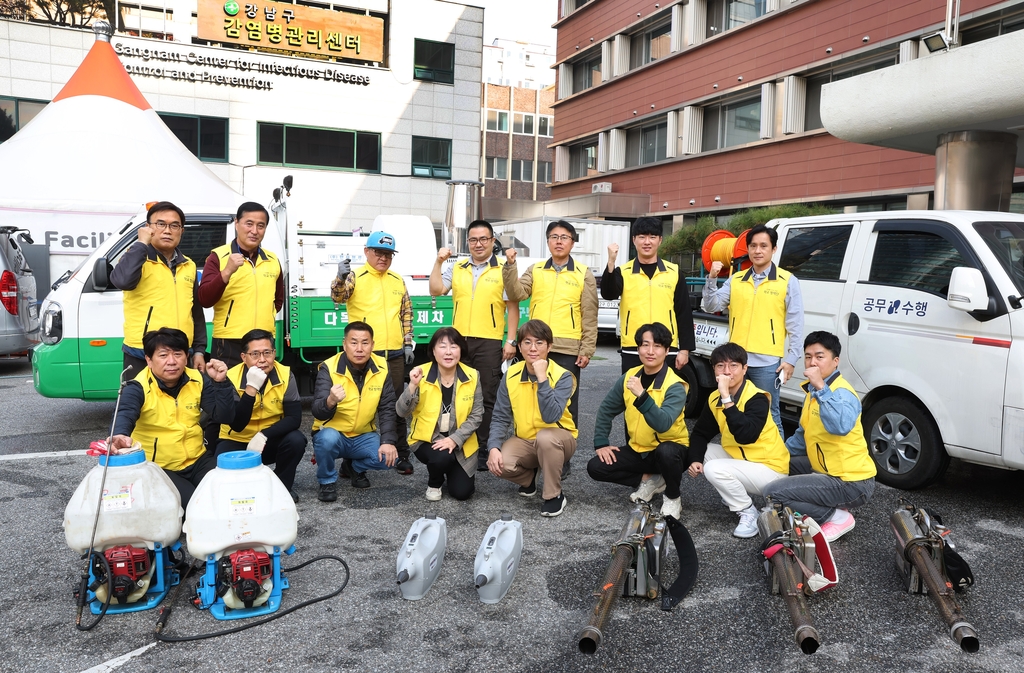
672,507
433,494
648,489
747,527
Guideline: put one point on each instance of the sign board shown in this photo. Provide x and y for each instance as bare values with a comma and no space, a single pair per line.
278,25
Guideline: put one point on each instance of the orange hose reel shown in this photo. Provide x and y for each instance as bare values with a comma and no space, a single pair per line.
724,246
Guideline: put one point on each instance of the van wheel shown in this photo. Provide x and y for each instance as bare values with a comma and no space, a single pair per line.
904,442
696,396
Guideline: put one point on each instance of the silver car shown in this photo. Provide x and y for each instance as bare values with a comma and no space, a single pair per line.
19,314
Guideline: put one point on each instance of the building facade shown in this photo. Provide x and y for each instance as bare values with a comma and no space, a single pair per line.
519,64
518,126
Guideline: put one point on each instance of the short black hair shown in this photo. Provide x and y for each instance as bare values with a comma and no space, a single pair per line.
828,341
251,207
659,334
646,226
564,225
762,229
538,329
481,223
167,337
358,326
453,335
729,352
161,206
256,335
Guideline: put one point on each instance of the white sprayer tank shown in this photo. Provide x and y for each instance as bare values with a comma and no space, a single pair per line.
241,504
140,506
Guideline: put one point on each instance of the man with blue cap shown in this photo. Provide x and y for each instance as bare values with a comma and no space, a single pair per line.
377,296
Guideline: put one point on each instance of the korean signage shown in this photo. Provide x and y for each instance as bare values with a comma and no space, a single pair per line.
283,26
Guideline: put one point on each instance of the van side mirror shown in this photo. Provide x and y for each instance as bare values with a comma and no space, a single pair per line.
101,274
967,291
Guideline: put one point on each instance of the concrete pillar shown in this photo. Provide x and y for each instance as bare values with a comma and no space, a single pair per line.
974,170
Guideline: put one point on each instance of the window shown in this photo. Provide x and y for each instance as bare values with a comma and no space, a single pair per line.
496,168
645,145
815,253
586,74
546,126
728,125
544,172
302,146
915,260
522,123
1006,240
15,113
1010,24
434,61
583,160
812,119
725,15
522,170
497,121
650,45
431,157
205,137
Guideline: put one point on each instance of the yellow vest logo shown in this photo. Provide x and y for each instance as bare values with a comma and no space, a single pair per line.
374,388
188,279
772,291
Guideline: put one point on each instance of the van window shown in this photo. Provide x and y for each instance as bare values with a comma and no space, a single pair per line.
1006,241
915,260
815,253
198,239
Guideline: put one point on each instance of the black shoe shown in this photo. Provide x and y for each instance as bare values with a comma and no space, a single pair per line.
404,466
359,480
531,490
566,470
346,469
295,496
555,506
328,492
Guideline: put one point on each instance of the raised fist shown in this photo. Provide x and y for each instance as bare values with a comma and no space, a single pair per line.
443,254
716,268
337,395
415,376
510,256
235,261
255,377
344,268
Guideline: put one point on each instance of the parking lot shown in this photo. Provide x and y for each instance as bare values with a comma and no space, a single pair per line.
729,621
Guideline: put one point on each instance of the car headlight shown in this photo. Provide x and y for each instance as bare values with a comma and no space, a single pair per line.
53,323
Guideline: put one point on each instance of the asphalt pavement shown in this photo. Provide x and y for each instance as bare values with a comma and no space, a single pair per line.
729,621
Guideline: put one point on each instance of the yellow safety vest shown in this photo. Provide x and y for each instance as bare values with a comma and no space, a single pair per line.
268,407
480,311
424,417
161,299
642,437
557,298
522,394
377,301
769,448
757,317
168,427
647,300
354,415
248,299
843,456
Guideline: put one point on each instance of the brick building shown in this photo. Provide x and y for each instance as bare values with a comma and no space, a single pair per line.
518,127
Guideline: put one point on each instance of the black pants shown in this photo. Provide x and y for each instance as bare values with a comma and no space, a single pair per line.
136,364
569,362
228,351
396,370
186,480
441,464
484,355
284,454
669,460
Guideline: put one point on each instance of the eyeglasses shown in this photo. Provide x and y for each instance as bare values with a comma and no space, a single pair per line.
388,254
261,355
562,237
164,226
480,241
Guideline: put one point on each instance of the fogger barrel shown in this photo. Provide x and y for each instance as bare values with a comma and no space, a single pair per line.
611,588
463,207
786,575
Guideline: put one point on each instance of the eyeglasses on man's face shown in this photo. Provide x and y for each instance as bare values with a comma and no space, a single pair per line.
387,254
261,355
483,240
564,238
164,226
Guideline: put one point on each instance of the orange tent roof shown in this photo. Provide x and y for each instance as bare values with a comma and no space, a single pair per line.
102,74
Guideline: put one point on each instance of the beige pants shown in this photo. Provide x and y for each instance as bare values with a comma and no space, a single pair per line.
552,448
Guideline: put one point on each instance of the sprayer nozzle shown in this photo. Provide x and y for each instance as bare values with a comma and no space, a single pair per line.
403,576
481,580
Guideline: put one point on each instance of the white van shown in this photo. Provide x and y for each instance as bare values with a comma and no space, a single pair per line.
927,307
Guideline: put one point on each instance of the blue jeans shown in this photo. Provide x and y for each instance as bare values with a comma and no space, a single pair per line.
818,495
329,445
764,378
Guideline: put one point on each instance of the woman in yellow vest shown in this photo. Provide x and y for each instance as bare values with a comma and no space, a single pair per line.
834,471
651,397
533,399
752,454
444,406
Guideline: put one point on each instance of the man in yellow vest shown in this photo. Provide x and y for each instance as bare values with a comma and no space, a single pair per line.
752,454
376,295
243,284
482,311
352,390
267,412
766,314
651,397
833,470
160,288
649,290
533,400
160,409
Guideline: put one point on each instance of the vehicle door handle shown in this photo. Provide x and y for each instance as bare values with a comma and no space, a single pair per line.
853,324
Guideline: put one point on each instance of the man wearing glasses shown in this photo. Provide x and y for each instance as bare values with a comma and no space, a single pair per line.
160,288
377,296
243,284
480,307
267,411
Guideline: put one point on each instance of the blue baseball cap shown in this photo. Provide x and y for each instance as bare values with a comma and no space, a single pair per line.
381,240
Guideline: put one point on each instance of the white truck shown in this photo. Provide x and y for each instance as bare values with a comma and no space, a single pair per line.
927,307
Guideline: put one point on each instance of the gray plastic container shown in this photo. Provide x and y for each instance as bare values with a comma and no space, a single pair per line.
497,560
421,557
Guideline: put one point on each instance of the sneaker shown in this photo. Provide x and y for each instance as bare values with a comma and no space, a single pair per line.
346,471
566,470
359,480
648,489
433,494
531,490
672,507
295,496
555,506
834,531
747,527
328,492
404,466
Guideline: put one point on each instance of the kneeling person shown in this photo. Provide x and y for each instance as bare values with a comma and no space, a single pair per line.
837,473
351,389
271,425
652,398
533,398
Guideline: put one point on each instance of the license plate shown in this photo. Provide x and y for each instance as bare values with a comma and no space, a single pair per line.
607,303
